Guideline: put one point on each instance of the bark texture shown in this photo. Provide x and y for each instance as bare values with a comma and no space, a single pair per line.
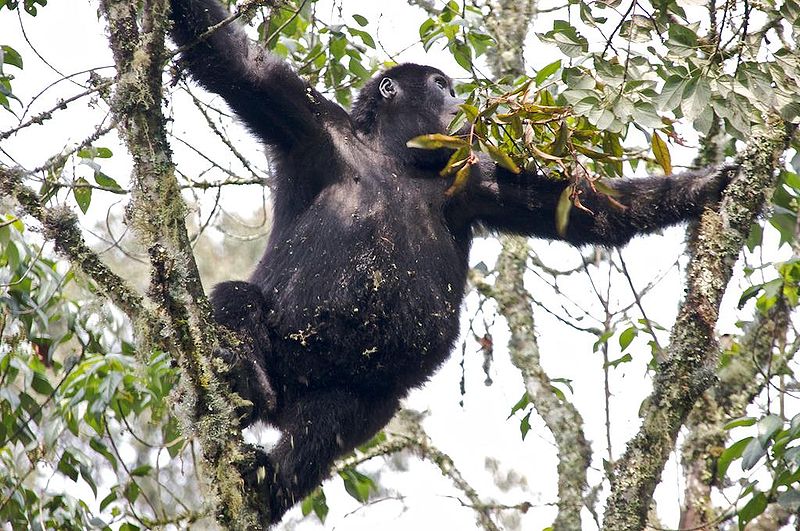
205,406
508,22
693,354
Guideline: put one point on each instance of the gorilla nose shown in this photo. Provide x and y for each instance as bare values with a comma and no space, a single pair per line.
451,103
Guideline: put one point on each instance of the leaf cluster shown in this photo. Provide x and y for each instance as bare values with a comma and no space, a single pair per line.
778,444
70,388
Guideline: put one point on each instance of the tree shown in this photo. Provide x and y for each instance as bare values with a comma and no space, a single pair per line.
109,386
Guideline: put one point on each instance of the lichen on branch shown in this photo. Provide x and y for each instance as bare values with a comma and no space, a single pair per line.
693,353
205,406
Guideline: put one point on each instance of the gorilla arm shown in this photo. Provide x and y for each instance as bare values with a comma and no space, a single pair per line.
277,105
526,204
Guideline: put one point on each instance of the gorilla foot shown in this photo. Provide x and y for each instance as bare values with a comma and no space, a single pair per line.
264,482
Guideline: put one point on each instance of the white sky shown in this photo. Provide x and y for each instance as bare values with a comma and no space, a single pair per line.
70,37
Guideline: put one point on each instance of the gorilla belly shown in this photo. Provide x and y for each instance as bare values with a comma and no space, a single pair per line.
379,319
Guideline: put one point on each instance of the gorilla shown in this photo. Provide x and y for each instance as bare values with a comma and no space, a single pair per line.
356,299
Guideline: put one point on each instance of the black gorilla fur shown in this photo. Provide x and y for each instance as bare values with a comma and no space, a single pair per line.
357,297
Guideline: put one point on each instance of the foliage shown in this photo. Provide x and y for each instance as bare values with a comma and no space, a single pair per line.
73,396
31,6
572,120
775,444
339,56
8,57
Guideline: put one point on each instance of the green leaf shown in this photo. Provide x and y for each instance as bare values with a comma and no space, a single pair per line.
141,470
661,153
462,54
315,502
360,20
357,484
645,115
577,79
112,497
460,182
436,141
522,403
753,240
586,105
480,42
131,492
741,421
95,152
337,46
541,154
627,336
748,294
613,146
365,37
41,385
753,453
86,474
100,447
753,508
731,453
10,56
603,339
790,112
637,28
66,465
82,194
696,97
614,363
501,158
456,161
567,38
768,427
357,68
547,71
672,93
559,148
682,41
470,111
107,182
173,439
525,425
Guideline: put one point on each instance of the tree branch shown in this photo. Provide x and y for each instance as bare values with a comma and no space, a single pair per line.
205,406
60,226
561,417
693,352
508,22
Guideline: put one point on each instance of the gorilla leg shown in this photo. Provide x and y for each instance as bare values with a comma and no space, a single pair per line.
317,428
242,307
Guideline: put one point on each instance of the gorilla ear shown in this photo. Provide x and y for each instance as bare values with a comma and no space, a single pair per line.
387,88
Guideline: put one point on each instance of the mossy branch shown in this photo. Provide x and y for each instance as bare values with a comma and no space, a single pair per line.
205,406
509,22
693,352
562,418
741,380
60,225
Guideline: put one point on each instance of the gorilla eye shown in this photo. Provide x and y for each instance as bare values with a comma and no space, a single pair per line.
441,83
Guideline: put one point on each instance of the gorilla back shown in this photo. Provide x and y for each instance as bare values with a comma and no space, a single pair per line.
356,298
